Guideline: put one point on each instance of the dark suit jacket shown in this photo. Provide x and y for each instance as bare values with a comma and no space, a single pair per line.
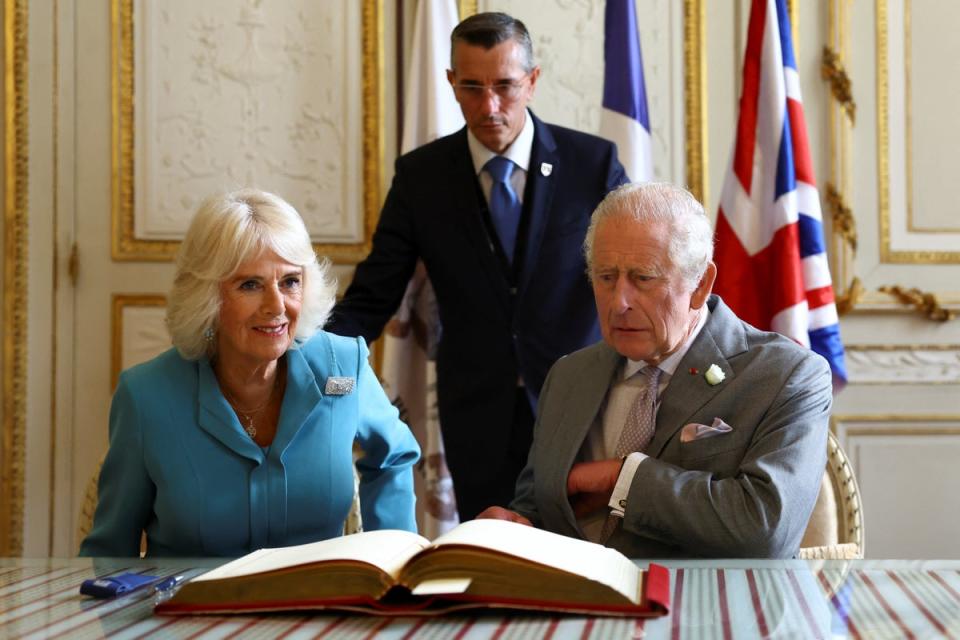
748,492
494,329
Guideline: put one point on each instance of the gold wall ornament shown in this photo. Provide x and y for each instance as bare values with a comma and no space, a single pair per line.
15,228
844,224
833,71
373,136
695,93
848,300
925,303
126,247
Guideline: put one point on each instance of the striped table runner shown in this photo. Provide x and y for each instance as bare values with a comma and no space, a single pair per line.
859,600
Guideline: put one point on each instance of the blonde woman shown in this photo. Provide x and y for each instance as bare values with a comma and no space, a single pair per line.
241,436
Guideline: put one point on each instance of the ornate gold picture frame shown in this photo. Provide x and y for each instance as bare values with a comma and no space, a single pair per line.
695,90
125,246
15,209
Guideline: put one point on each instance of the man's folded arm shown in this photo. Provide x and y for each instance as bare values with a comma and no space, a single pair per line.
761,511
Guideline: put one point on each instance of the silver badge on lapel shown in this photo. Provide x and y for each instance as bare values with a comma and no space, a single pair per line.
339,386
546,169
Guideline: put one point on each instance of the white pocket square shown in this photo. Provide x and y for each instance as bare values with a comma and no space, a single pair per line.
697,431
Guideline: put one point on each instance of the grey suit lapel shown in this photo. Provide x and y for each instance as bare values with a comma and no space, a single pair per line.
722,337
301,398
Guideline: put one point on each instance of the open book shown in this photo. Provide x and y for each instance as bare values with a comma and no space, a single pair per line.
481,563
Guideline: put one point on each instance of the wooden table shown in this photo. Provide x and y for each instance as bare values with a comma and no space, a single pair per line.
710,599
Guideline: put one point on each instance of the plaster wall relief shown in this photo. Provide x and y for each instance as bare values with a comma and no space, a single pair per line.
568,44
285,96
260,93
881,364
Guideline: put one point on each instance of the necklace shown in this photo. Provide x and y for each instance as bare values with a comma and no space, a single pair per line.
247,418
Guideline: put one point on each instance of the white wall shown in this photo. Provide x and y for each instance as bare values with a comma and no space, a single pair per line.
899,418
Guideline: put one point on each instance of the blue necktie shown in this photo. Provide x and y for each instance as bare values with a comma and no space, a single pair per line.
504,203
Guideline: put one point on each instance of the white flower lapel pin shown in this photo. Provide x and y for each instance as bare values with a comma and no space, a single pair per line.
714,375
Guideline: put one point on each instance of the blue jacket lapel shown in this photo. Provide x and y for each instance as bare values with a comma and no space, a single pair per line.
301,398
538,195
217,418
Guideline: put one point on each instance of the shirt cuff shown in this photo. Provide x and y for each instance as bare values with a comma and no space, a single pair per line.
618,499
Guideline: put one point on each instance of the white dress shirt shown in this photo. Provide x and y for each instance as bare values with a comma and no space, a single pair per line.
519,152
601,442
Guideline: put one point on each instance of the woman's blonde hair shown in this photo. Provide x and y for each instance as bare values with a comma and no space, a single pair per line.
227,230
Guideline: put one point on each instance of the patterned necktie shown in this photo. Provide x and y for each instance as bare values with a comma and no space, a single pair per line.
638,429
504,203
641,421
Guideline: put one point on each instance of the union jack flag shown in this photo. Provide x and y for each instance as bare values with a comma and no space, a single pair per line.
770,253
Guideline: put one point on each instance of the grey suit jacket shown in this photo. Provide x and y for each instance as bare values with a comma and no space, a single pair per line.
746,493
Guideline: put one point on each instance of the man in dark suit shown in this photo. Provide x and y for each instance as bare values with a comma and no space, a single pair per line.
497,212
686,432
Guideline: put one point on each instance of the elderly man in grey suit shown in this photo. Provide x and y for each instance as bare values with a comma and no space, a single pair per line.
686,432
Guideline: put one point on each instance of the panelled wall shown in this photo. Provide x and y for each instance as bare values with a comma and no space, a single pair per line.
883,146
127,112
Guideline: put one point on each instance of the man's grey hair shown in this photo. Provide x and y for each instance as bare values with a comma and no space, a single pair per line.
691,237
487,30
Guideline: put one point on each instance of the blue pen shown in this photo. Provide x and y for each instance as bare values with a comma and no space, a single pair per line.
164,590
169,583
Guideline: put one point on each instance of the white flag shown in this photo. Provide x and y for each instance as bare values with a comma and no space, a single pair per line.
429,108
409,372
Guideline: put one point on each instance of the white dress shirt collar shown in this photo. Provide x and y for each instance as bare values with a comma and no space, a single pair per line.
670,363
519,150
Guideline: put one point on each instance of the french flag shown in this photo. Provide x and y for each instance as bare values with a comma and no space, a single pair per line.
624,118
770,252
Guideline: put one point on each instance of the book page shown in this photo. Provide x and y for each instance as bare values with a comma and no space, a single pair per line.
579,557
388,550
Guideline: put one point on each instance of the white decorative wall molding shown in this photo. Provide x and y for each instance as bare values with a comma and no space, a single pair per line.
903,364
907,472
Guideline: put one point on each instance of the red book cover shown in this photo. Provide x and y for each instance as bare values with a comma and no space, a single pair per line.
482,564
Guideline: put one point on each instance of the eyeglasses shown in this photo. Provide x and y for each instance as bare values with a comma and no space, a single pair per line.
505,91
